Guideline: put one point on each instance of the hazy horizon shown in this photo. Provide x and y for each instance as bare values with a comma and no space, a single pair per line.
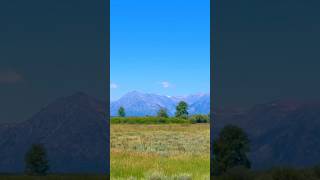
161,94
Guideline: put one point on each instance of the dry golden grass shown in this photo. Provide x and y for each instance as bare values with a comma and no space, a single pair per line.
167,151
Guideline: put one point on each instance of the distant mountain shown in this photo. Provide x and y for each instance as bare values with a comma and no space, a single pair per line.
142,104
73,129
200,104
282,133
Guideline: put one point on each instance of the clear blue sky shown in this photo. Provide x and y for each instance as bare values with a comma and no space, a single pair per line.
160,46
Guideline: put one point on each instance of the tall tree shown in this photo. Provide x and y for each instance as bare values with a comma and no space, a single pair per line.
121,112
163,113
182,110
230,150
36,160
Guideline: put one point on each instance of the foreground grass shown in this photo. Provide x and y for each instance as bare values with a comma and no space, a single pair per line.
160,151
141,151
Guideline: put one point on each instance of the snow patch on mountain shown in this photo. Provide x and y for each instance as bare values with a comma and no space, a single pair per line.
141,104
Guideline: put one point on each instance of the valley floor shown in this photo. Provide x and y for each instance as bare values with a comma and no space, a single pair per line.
157,151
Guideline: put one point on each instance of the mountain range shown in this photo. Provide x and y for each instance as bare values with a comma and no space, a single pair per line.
142,104
74,130
282,132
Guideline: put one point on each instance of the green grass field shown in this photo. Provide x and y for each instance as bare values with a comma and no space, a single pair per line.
167,151
147,152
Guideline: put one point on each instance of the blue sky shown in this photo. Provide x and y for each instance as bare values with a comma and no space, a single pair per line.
160,46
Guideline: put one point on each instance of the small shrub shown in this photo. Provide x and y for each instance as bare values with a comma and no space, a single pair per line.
121,112
36,160
182,110
163,113
230,150
198,118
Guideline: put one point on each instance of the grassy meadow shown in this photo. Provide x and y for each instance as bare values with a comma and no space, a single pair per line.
160,151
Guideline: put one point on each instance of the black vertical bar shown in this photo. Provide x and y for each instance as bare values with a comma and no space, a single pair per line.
108,87
211,89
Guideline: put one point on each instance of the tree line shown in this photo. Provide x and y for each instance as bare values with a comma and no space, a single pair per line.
162,117
181,111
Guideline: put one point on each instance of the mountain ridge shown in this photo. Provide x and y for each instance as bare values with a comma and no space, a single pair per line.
73,129
141,104
281,132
